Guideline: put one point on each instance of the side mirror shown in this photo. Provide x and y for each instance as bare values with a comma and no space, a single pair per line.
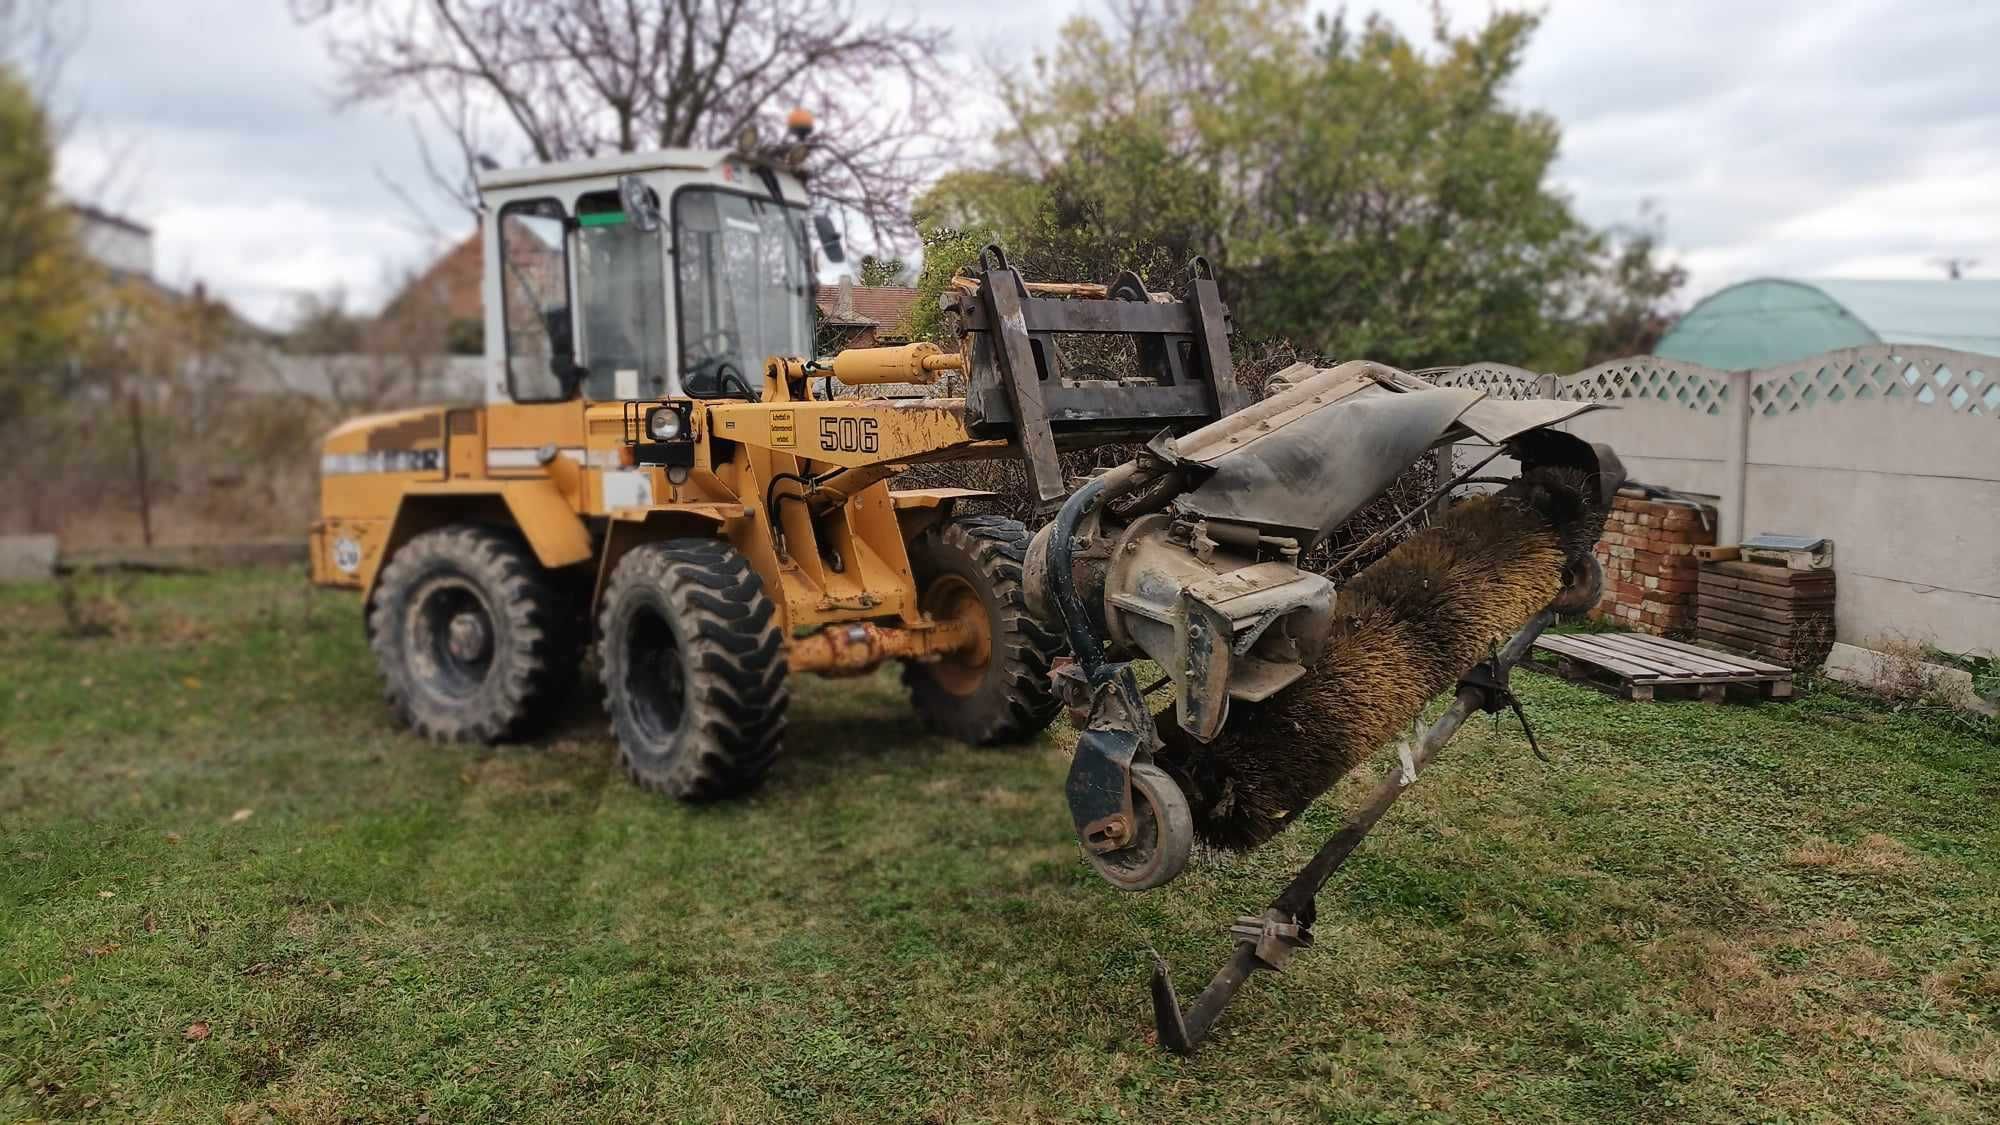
637,200
829,239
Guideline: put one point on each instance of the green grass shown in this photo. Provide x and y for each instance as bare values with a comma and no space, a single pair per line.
1784,912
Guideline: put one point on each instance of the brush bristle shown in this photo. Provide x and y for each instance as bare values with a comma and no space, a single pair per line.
1404,630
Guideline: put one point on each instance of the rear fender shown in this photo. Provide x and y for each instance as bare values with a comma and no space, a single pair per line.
536,508
920,509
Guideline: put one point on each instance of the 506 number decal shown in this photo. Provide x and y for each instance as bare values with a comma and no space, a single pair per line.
849,435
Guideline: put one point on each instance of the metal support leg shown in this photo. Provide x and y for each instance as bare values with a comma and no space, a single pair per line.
1267,941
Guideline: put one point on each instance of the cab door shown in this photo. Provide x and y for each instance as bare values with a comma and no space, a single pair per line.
530,258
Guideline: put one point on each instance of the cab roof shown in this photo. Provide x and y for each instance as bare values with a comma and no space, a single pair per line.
666,159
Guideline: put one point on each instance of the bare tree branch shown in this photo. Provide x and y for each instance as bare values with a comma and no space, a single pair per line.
37,40
580,78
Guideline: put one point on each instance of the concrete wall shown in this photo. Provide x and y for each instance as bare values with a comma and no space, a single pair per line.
454,378
1893,452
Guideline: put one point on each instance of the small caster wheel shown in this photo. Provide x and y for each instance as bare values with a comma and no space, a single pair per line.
1162,835
1583,585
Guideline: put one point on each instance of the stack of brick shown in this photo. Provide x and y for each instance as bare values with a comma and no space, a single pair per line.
1650,573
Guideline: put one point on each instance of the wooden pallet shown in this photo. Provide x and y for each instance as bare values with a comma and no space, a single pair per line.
1769,611
1644,667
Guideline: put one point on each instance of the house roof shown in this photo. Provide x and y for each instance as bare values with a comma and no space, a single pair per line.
1770,321
884,306
97,215
452,280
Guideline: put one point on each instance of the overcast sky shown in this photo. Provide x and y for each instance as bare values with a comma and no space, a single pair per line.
1855,138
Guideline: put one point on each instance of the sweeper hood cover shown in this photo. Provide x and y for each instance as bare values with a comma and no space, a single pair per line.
1302,461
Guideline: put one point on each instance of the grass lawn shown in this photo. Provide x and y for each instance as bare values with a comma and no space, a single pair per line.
229,889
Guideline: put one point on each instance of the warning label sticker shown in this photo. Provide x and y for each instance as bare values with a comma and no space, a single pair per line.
784,433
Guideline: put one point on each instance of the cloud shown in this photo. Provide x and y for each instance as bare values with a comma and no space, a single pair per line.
214,123
1817,137
1780,136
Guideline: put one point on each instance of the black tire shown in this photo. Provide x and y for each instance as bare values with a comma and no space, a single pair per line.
473,639
694,669
1006,696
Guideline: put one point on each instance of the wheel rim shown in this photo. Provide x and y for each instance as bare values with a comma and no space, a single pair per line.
655,676
1161,836
951,598
451,637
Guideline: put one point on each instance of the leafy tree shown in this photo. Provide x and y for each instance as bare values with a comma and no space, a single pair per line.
322,325
44,283
1363,196
882,271
1627,305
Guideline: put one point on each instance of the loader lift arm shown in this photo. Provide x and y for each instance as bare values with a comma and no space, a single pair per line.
1022,398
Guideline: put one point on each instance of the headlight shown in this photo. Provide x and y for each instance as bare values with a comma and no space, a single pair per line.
664,424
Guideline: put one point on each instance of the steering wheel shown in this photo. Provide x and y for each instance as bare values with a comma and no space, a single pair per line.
719,343
712,378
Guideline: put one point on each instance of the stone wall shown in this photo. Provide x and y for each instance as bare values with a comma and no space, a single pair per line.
1650,572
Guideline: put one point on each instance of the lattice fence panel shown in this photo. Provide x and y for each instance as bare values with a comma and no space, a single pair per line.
1960,382
1496,379
1649,378
1643,377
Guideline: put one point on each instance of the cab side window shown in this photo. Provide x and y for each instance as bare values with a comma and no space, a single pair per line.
534,301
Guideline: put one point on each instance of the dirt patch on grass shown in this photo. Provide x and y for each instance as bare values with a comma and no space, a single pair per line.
513,775
302,924
1000,797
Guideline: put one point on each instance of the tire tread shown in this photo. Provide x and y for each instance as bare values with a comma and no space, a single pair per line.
1023,646
539,618
736,727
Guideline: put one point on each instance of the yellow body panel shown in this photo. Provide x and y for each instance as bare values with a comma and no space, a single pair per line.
564,474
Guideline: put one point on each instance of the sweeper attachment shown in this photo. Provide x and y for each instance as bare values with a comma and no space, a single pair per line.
1188,556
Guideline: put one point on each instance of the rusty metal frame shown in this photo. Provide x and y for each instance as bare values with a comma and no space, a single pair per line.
1018,388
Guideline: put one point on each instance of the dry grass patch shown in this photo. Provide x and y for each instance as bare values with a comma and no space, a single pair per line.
1860,962
1733,987
1873,854
1977,1062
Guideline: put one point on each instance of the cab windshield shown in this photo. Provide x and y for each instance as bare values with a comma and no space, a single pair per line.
743,291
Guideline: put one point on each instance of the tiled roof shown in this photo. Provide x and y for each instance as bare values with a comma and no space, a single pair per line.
451,281
884,305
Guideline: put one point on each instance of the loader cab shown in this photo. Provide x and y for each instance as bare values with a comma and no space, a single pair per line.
644,276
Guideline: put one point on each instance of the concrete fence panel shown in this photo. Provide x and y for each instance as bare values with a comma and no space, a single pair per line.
1893,452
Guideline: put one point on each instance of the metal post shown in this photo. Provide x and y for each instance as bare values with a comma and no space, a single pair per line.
1736,463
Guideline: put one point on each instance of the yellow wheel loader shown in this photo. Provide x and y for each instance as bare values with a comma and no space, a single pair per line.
663,471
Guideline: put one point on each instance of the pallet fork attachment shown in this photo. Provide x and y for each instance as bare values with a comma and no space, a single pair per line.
1021,387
